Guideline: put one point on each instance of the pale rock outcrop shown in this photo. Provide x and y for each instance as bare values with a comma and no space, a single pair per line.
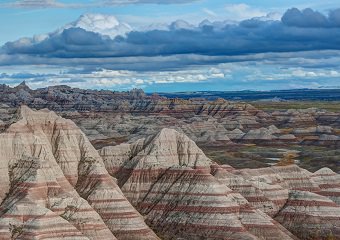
326,137
316,129
167,177
273,129
329,183
267,134
235,134
259,134
256,201
311,211
289,177
310,216
287,137
55,185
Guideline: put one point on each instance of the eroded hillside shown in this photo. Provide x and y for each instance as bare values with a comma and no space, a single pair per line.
56,185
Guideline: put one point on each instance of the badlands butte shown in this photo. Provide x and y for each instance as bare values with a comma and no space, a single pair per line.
86,164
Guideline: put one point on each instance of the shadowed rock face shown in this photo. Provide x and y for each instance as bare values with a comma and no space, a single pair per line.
180,191
110,118
55,185
78,104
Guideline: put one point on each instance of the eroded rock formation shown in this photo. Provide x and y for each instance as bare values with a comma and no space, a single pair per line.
55,185
170,181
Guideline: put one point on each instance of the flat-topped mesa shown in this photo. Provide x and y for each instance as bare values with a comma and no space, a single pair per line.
67,180
167,177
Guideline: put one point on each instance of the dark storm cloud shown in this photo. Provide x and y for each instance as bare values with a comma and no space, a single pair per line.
178,47
309,18
305,18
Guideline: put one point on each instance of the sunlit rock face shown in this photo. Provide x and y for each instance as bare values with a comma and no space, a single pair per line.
329,183
170,181
310,216
55,185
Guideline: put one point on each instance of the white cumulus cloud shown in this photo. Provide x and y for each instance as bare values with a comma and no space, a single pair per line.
242,11
101,23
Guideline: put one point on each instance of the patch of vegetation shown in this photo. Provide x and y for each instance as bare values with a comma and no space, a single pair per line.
69,212
332,106
287,159
16,231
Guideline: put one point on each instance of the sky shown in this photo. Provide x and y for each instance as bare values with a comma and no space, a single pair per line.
171,45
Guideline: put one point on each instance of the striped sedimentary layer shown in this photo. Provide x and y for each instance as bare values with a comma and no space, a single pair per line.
39,206
182,193
289,177
54,185
310,216
168,179
261,194
268,188
329,183
311,208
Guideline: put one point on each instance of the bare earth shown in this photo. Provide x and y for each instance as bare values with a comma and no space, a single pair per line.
110,165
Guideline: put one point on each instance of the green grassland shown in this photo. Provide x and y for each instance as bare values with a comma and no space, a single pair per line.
311,158
332,106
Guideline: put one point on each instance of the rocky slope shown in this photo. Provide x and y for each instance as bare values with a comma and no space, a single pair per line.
64,98
109,117
167,177
55,185
170,181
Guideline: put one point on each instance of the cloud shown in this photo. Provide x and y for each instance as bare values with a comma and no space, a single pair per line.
210,12
105,78
103,24
117,2
94,49
261,74
334,17
242,11
182,39
306,18
35,4
309,18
